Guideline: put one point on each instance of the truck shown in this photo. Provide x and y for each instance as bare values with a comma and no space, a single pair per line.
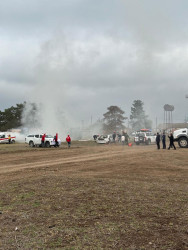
34,140
144,136
4,137
181,136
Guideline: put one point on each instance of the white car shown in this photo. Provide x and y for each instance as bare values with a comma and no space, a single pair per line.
103,139
145,137
35,140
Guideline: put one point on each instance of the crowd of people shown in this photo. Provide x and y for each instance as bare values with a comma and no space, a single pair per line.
125,139
121,138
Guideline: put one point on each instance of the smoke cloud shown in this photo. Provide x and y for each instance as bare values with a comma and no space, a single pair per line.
86,56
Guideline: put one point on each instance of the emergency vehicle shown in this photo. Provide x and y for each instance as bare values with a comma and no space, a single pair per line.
144,136
4,137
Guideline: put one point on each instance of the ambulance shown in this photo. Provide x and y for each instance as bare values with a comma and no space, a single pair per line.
4,137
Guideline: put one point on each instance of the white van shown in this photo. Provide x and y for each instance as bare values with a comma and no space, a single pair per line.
4,137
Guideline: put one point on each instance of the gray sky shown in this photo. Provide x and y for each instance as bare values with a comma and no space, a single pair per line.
82,56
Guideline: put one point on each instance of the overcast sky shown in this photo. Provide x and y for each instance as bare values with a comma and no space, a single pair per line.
84,55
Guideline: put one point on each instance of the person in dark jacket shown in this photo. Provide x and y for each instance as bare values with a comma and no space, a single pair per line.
126,138
158,140
164,140
114,136
171,138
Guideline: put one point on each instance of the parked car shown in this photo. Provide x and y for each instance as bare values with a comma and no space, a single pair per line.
144,136
35,140
103,139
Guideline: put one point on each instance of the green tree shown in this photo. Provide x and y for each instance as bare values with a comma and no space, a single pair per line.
138,118
11,117
113,119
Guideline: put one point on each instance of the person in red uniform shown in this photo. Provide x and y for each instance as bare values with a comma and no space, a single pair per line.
68,139
43,139
56,140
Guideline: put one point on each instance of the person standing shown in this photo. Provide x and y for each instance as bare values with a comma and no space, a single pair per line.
43,140
114,136
9,139
68,139
164,140
158,140
171,138
126,138
123,139
56,140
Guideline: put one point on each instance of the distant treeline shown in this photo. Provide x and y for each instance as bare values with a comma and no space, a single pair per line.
11,117
113,119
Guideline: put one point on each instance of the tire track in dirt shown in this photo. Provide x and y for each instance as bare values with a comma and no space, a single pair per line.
51,162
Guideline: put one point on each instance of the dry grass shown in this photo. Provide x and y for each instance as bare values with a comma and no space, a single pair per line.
93,197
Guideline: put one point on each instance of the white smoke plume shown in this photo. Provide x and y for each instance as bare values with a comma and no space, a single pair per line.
61,66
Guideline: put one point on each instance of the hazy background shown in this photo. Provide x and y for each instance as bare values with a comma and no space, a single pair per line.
77,57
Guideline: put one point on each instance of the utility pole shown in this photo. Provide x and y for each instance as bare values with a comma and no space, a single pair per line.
186,115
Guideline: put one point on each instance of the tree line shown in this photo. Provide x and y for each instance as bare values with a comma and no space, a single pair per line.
113,120
11,117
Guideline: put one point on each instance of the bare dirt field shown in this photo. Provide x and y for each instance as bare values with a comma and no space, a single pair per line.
93,197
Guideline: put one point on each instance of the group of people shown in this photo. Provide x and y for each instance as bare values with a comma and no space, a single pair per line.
124,137
68,140
162,138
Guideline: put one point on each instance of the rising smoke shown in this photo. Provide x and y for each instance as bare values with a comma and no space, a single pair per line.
61,65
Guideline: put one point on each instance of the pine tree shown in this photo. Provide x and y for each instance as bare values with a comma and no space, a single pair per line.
113,119
138,118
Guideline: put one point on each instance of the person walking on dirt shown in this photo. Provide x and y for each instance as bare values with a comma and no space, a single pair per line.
43,140
171,138
158,140
68,139
164,140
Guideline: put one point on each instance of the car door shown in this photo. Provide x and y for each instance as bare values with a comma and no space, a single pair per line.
37,139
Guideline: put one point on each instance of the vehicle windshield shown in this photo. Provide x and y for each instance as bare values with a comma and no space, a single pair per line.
140,134
102,137
49,136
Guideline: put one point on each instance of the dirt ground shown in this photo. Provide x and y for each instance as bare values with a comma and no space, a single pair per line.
93,197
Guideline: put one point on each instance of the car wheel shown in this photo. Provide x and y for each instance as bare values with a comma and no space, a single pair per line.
183,142
31,144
